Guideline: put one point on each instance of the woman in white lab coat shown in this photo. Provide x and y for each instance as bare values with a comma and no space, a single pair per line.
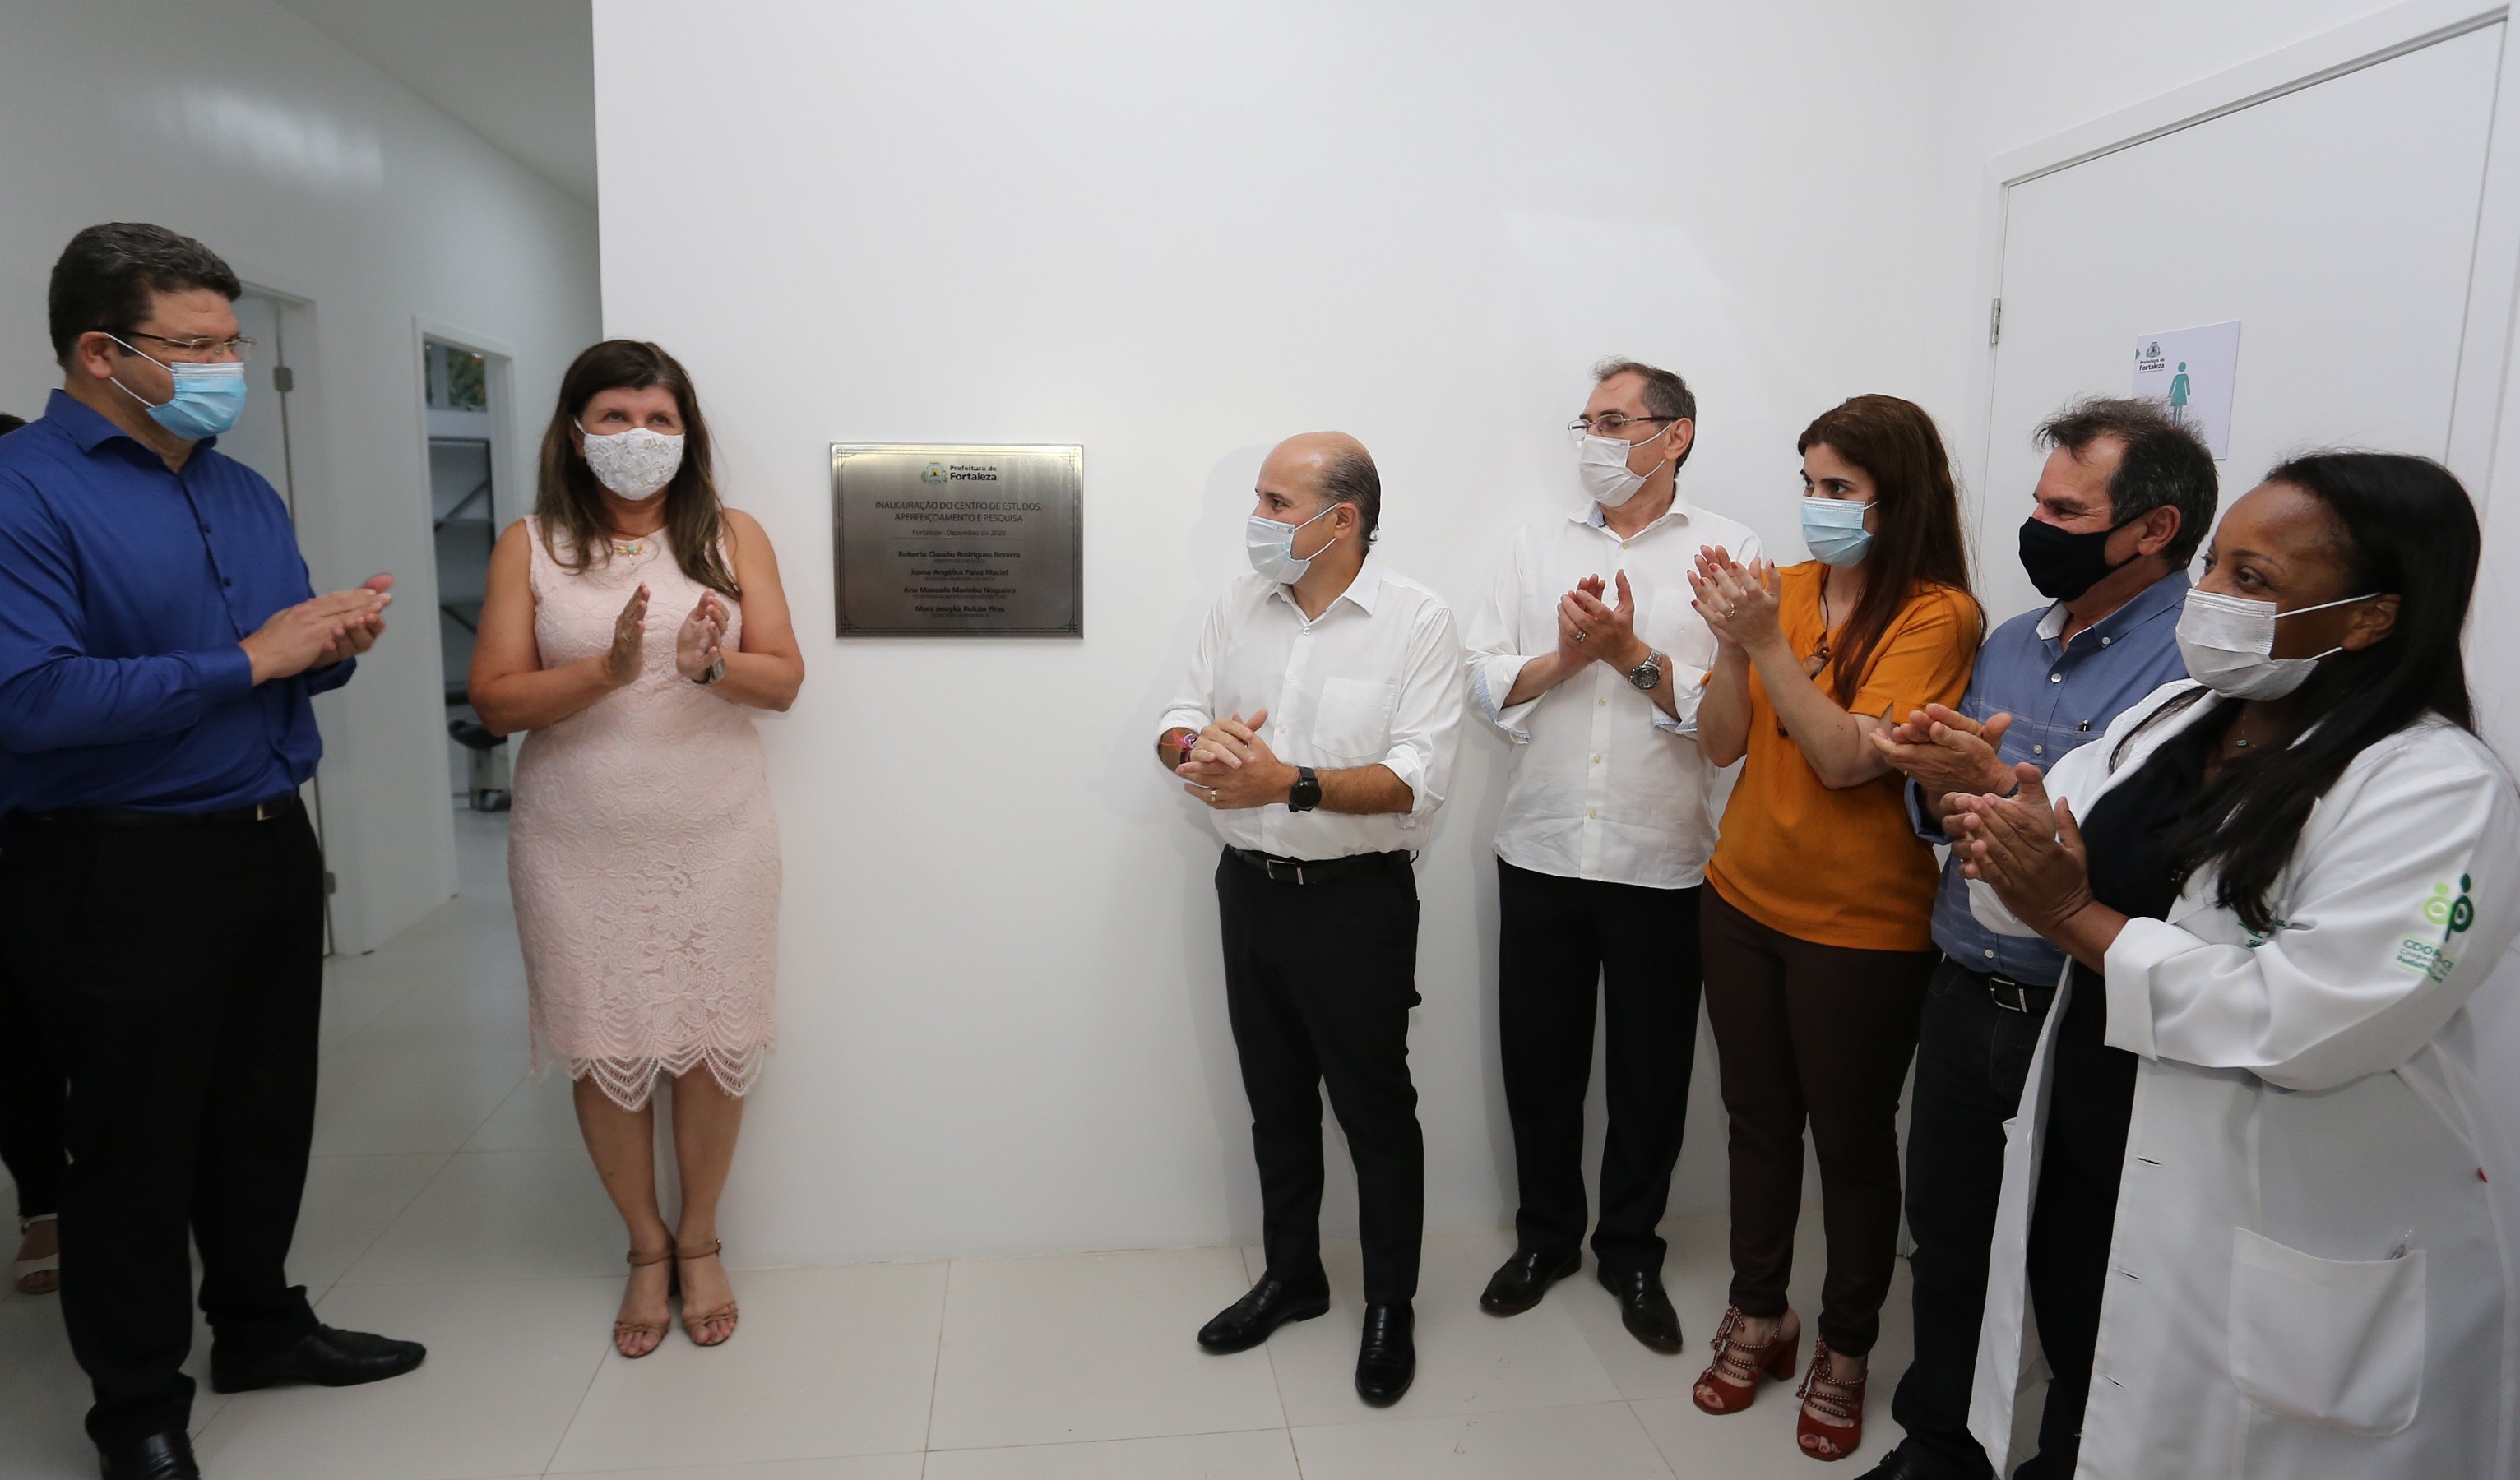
2278,887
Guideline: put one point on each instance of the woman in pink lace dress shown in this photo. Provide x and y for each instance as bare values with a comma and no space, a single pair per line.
629,625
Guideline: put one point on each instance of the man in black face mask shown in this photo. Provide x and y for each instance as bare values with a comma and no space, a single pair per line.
2125,499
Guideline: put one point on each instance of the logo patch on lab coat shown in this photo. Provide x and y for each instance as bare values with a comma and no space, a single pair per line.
2453,914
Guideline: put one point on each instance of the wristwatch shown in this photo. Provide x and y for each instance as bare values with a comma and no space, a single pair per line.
1306,794
1647,675
712,673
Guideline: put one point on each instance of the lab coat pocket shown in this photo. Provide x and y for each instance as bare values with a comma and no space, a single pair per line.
2334,1342
1353,724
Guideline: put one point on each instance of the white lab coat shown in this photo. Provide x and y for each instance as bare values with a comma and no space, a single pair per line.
2309,1274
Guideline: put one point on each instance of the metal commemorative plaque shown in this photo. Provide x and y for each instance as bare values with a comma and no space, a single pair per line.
935,539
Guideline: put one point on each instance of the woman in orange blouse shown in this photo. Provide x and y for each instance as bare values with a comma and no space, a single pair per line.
1816,922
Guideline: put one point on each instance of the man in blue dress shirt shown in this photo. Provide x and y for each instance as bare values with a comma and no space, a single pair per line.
2125,499
161,895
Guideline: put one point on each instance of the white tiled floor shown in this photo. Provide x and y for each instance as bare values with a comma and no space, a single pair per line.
450,1202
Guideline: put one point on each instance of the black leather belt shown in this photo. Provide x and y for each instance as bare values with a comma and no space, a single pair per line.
2014,996
1318,870
126,817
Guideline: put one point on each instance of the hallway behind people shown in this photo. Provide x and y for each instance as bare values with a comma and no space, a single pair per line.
451,1202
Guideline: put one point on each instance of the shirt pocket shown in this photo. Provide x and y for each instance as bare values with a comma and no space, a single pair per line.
1673,626
2338,1343
1351,724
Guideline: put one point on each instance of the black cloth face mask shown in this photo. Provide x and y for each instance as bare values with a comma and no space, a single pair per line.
2062,563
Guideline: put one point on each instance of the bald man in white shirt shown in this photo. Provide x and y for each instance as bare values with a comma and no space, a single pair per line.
1588,655
1317,726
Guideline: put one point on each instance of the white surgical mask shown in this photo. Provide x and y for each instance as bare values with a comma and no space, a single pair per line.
1271,548
2229,644
1601,468
1834,530
637,464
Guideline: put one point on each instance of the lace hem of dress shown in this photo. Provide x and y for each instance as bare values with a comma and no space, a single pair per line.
630,1081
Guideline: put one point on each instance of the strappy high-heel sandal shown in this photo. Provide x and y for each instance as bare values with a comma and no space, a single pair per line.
623,1330
1825,1395
695,1322
1731,1379
37,1277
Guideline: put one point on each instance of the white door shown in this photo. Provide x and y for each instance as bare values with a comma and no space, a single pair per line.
260,440
260,437
2335,222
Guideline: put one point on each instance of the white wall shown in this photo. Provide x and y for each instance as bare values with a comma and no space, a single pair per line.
316,175
1175,234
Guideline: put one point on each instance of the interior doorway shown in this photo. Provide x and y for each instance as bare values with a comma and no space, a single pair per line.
459,385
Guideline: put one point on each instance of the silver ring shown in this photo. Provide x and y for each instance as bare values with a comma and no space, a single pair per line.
1211,797
1579,634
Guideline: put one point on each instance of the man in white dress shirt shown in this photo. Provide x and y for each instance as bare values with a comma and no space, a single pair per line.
1588,656
1318,725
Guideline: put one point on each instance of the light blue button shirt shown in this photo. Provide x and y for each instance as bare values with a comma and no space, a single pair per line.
2060,695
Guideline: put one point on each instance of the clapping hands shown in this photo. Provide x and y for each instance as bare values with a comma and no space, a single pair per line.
1738,602
361,625
1590,629
1944,753
2025,847
320,631
1231,767
701,641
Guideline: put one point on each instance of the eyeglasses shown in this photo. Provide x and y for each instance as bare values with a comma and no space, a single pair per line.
1609,423
191,350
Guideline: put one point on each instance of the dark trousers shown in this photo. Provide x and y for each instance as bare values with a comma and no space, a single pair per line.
32,1108
2089,1101
1319,980
178,972
1972,1055
1559,939
1815,1034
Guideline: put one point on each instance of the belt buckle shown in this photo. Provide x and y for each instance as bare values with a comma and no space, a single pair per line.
264,812
2020,995
1269,866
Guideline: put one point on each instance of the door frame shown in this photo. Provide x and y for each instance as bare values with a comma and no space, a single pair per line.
2484,402
511,466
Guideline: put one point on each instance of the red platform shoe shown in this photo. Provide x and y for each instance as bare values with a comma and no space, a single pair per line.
1732,1380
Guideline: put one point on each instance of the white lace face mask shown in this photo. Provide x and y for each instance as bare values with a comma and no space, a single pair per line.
636,465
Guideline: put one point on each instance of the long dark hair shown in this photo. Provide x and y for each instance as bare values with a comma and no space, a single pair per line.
567,500
2407,530
1916,538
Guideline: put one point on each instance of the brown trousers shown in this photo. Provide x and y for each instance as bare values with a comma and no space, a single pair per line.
1816,1034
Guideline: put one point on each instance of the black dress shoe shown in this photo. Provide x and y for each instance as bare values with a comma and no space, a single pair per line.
327,1356
1643,1308
1386,1360
1518,1284
1270,1304
1899,1464
160,1456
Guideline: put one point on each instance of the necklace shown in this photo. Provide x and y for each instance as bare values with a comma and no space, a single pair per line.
1820,655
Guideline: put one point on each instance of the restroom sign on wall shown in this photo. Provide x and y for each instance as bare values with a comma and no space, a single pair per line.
2189,371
